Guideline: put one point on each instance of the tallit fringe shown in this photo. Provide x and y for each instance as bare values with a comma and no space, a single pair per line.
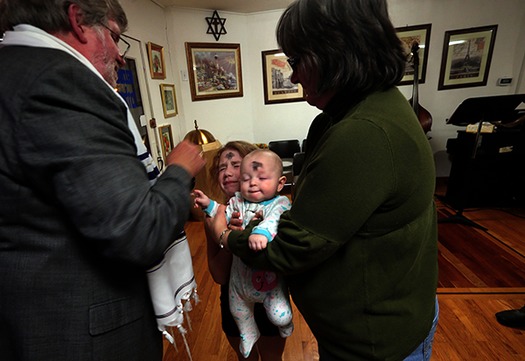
184,314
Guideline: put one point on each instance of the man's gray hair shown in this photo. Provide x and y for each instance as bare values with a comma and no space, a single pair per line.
52,15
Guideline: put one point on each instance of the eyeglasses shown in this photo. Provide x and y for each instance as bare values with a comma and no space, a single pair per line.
123,45
293,62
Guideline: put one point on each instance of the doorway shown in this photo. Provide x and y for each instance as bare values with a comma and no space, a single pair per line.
132,86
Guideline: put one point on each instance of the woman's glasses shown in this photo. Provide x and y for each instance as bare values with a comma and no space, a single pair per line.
293,62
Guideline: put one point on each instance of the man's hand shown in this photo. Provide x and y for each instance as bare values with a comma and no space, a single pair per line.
188,156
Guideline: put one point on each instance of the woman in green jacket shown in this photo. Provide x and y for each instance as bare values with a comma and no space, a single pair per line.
359,246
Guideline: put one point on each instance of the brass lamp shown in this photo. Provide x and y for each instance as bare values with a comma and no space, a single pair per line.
199,136
209,146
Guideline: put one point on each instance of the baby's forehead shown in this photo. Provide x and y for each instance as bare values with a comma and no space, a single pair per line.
258,160
254,165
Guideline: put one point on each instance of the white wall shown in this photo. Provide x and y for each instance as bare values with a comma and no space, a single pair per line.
147,23
273,121
250,119
227,118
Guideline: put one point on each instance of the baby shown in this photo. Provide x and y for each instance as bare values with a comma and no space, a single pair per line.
261,181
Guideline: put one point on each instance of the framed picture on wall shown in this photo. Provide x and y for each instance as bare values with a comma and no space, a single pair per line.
166,140
169,101
409,35
156,61
214,70
466,58
277,73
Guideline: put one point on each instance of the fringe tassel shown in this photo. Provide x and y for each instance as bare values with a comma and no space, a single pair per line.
183,332
184,311
188,321
188,306
196,296
169,336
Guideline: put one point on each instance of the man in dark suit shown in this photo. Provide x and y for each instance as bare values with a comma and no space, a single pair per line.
80,221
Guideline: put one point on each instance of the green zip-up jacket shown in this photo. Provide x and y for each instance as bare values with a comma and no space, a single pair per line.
359,247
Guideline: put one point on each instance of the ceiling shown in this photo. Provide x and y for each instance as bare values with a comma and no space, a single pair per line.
237,6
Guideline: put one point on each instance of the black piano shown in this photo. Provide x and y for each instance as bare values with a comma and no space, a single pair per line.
488,169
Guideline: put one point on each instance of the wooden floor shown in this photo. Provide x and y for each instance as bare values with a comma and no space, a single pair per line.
481,273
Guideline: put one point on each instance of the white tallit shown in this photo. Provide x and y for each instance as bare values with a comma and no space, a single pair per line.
171,281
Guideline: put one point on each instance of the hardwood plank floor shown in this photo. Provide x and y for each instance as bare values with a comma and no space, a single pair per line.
467,328
470,257
206,339
472,289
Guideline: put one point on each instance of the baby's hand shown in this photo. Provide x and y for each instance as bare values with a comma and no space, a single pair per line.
257,242
201,200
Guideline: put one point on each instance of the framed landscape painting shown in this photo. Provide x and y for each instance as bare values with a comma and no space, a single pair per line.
214,70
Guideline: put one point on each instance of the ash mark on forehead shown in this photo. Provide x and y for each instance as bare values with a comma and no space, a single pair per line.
256,165
229,155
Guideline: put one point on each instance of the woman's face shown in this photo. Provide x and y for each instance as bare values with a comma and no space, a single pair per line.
308,80
229,171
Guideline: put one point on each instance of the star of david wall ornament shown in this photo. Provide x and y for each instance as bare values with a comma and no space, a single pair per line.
216,25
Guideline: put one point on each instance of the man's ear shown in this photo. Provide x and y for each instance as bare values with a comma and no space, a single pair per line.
282,182
75,16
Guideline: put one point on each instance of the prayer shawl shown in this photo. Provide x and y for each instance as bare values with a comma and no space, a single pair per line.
171,281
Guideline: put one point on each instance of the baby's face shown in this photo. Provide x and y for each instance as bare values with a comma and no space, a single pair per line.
259,177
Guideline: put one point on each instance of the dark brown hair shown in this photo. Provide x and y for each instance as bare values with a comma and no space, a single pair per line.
351,44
